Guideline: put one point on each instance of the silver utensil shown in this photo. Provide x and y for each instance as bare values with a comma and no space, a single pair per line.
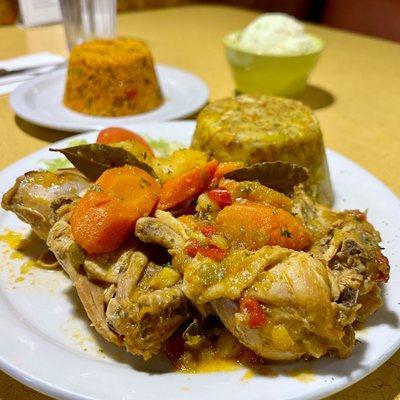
31,70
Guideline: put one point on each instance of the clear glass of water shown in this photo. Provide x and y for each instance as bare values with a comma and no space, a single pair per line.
88,19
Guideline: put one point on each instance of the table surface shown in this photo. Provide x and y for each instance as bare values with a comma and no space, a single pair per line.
355,92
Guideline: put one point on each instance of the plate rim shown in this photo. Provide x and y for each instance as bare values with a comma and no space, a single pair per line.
52,390
22,110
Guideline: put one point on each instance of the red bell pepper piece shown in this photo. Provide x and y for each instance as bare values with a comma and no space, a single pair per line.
220,196
254,310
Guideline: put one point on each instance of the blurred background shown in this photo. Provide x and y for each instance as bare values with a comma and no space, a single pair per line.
380,18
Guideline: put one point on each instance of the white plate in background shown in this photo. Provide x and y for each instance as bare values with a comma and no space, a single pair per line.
40,101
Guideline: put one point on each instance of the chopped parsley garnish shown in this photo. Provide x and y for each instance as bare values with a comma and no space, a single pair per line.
286,233
247,190
168,265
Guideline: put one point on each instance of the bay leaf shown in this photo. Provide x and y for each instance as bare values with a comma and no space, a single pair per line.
278,175
93,159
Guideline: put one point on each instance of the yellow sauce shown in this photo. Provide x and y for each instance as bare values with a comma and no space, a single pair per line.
210,365
362,332
302,375
13,239
209,362
16,241
16,255
247,376
217,365
262,370
27,267
48,179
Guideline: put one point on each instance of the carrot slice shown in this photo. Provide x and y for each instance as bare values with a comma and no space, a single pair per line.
255,225
115,135
103,219
129,183
187,186
223,168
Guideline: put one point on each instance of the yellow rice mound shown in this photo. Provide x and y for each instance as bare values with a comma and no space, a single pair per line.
112,78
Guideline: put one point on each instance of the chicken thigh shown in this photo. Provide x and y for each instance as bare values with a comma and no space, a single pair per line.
129,300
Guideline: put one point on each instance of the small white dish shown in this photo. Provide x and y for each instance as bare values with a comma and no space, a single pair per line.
40,101
46,341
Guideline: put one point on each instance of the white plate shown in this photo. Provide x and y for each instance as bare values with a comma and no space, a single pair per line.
40,101
46,343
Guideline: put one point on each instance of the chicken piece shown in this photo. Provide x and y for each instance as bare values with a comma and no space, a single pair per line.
167,231
370,302
107,267
349,245
351,250
39,198
206,280
163,229
136,314
144,315
91,293
103,282
317,218
36,194
296,324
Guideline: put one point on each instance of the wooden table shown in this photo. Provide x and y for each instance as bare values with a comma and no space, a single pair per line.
355,92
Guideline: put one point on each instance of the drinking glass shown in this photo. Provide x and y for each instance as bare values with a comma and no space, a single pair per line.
88,19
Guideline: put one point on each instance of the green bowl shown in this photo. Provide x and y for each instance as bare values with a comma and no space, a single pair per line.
267,73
